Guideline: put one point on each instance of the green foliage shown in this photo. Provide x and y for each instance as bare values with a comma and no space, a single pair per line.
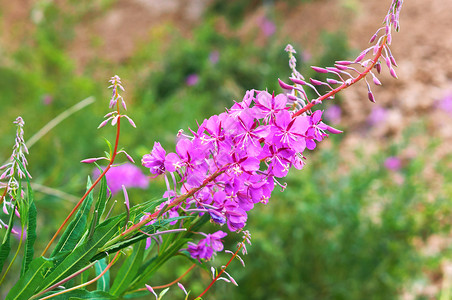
235,10
103,284
345,232
128,270
77,227
31,280
28,215
5,248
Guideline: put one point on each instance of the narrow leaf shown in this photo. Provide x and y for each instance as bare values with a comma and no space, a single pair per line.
100,202
136,238
27,284
83,254
76,228
6,247
30,222
31,238
83,294
103,283
128,270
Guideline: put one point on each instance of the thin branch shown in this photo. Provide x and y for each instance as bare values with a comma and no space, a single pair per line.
57,120
86,283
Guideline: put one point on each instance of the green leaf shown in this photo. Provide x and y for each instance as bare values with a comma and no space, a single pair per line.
103,283
137,294
28,220
6,247
128,270
139,236
31,280
83,294
83,254
151,266
31,238
77,227
147,270
100,202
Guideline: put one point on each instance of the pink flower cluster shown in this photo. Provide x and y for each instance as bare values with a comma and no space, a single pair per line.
207,247
233,159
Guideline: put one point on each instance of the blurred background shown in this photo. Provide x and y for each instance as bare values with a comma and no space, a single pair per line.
367,218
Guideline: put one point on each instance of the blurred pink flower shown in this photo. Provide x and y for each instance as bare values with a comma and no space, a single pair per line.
47,99
268,28
445,104
214,56
377,116
393,163
306,56
192,79
127,174
333,114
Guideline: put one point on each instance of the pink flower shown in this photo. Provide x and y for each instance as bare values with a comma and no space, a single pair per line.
155,161
333,114
268,28
127,175
47,99
445,104
393,163
192,79
208,246
377,116
214,57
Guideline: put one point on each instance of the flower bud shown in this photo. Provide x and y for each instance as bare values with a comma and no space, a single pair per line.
316,82
319,70
298,81
284,85
393,73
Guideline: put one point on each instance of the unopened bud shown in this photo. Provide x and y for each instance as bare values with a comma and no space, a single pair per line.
378,67
376,80
298,81
332,81
393,73
284,85
343,62
371,97
316,82
333,130
89,160
319,70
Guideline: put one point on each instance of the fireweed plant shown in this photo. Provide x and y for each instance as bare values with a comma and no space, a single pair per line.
217,173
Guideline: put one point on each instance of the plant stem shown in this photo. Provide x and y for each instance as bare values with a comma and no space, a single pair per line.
159,212
112,159
4,194
86,283
58,119
15,255
169,284
344,85
63,281
222,270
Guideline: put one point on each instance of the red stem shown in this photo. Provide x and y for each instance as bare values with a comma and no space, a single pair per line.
86,283
344,85
112,159
169,284
176,201
222,270
3,195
